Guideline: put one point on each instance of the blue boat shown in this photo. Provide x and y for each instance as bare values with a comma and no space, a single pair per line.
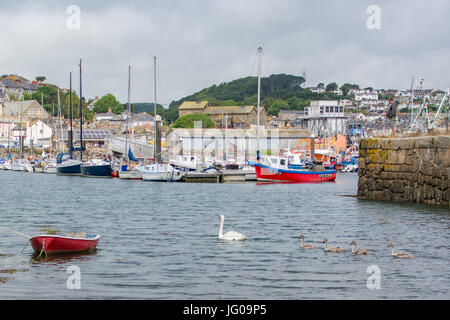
96,168
68,166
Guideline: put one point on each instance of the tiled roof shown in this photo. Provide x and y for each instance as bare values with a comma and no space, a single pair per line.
193,105
144,117
230,110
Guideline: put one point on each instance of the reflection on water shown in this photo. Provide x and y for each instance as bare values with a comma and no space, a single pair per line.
64,257
159,240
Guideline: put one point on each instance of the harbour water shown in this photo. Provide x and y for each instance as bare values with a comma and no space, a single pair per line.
159,241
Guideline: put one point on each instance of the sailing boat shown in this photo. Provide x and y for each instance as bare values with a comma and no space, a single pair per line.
273,168
96,168
21,164
133,174
66,163
159,171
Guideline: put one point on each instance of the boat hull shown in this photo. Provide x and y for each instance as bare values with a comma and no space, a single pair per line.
96,171
73,169
61,244
130,175
266,173
51,170
160,176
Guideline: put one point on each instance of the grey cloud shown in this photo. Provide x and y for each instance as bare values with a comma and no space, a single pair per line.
200,43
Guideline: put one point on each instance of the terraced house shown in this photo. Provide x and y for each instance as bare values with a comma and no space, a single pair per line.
237,117
16,86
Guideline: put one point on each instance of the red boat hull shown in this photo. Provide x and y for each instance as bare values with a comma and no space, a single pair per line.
61,244
265,173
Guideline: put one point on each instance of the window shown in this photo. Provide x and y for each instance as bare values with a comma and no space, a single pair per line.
283,162
321,109
274,161
341,109
327,109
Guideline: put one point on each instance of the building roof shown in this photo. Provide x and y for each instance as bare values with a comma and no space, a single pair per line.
188,105
18,82
106,114
88,134
230,110
14,108
144,117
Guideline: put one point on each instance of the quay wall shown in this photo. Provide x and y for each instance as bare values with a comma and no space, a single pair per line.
414,169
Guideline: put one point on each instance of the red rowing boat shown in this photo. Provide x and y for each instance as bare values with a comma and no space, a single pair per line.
78,242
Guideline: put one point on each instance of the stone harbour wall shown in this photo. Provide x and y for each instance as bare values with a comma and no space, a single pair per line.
414,169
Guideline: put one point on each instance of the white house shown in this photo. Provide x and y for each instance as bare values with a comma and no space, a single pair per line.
144,120
325,116
40,133
317,89
364,95
324,108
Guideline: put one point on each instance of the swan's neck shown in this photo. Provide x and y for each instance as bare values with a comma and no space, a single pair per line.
325,245
393,251
221,228
303,241
354,248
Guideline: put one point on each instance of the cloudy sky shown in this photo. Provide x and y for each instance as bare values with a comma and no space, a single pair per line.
199,43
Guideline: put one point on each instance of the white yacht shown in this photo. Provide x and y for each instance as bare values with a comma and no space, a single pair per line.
160,172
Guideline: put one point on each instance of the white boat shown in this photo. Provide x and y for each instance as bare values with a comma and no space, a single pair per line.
5,164
131,175
51,166
160,172
185,162
22,165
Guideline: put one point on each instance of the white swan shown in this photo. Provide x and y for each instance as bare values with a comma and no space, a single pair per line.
231,235
400,254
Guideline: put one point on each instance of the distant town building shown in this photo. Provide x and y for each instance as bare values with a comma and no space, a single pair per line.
90,106
325,117
365,95
317,89
38,132
16,86
190,107
238,117
144,120
29,109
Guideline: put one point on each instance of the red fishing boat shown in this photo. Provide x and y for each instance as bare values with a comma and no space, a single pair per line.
277,169
75,242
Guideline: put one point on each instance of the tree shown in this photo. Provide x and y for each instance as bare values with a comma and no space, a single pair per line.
274,106
331,87
40,79
188,121
321,85
106,102
347,86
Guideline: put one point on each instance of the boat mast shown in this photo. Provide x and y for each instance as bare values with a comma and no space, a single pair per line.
157,135
20,130
71,118
154,80
61,141
259,98
81,117
128,112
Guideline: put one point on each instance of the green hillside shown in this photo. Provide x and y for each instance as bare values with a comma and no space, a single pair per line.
279,91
